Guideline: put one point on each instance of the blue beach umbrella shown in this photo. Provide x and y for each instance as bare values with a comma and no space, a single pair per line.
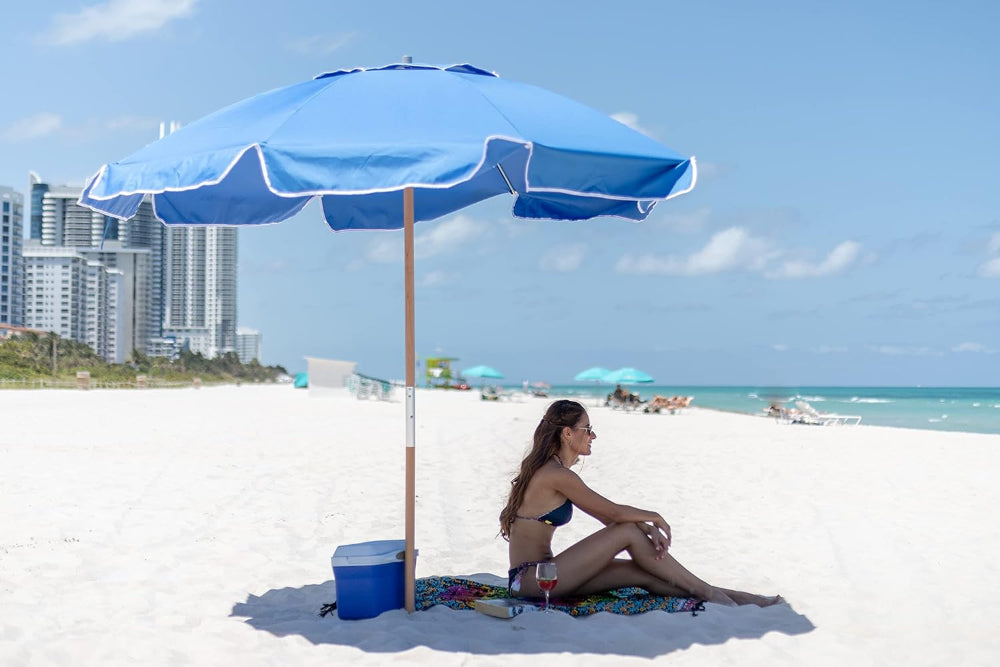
385,147
482,372
628,376
594,374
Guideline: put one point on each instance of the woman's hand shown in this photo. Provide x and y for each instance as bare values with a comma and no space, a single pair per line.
658,533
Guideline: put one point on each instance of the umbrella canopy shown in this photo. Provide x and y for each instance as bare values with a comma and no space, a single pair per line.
358,138
482,372
385,147
594,374
627,375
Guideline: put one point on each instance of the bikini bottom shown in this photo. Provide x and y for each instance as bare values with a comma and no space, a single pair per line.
515,573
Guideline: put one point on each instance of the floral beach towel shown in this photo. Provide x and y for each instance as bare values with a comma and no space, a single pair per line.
462,593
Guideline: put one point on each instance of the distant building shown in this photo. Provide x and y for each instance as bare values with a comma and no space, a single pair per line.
182,296
135,247
77,298
55,290
135,327
199,280
11,258
247,345
11,331
168,347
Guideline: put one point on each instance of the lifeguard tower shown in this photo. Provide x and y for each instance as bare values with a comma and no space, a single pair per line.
439,371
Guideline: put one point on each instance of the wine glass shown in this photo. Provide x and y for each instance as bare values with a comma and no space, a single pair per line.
545,576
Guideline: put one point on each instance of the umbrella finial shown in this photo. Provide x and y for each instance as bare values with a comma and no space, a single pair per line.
408,60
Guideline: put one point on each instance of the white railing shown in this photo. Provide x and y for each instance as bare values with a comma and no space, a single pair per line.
72,383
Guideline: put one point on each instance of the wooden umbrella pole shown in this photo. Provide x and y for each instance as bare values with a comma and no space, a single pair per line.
410,562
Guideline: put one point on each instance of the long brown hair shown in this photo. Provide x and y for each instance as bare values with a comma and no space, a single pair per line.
545,445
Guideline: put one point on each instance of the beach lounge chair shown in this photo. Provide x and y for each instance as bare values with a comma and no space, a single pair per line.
807,414
365,387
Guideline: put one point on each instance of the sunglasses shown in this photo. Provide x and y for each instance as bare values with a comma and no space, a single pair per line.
588,428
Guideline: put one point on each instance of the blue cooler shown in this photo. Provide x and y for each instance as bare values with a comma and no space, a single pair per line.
370,578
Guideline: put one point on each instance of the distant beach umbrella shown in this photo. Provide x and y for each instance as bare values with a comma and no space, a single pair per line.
628,376
482,372
386,147
593,374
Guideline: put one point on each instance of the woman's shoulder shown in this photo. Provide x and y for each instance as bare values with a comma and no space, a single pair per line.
557,477
553,470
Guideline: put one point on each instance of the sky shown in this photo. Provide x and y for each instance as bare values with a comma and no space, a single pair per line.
844,230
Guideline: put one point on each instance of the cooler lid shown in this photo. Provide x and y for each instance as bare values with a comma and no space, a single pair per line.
378,552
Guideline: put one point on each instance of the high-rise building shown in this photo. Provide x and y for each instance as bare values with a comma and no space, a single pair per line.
11,259
247,345
182,293
55,293
135,247
199,277
38,190
66,223
199,284
135,328
145,231
77,298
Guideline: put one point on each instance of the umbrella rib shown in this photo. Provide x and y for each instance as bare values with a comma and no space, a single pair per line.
505,179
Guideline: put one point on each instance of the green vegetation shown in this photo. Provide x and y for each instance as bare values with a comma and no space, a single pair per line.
46,356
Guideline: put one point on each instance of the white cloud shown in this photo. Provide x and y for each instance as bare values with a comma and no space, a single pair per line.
737,250
972,347
839,260
321,44
563,259
439,237
779,347
387,248
993,245
733,249
830,349
445,236
33,127
990,268
116,20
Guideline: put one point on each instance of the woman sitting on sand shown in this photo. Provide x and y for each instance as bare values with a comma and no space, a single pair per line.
589,566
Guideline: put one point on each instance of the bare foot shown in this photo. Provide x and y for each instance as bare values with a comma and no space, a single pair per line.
741,598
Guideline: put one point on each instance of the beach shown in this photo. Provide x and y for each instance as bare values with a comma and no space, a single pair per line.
196,526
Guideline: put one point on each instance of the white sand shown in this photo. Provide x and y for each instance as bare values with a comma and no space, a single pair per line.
175,527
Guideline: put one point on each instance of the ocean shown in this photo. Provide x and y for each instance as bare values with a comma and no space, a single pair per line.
968,409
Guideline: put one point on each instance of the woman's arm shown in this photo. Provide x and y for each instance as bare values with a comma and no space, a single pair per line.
569,484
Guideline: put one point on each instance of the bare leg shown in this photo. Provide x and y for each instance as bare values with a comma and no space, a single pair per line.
623,572
585,560
742,597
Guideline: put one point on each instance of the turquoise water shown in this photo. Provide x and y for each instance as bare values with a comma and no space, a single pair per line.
969,409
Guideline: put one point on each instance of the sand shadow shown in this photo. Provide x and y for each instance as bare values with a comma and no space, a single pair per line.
295,611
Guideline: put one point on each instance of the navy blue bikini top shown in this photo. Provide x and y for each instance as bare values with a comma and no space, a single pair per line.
560,516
